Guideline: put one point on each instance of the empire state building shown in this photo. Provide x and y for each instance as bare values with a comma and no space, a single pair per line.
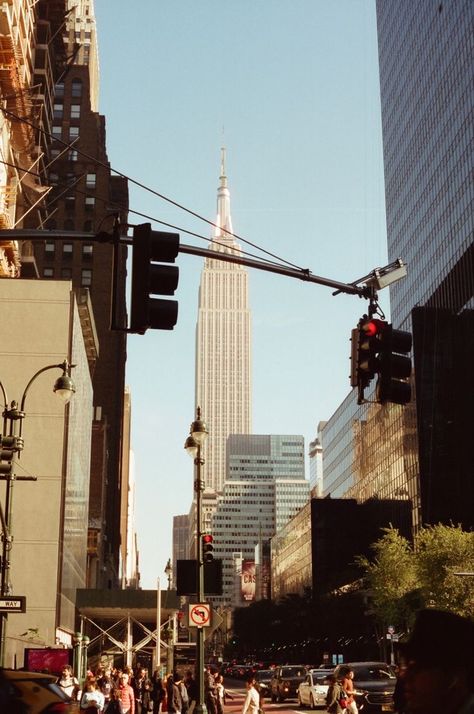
223,345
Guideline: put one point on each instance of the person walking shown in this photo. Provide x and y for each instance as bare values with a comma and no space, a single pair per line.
210,690
191,686
92,699
173,696
346,677
68,683
127,696
334,695
252,700
115,702
222,694
158,692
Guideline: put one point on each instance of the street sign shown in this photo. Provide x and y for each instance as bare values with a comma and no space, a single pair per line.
13,603
200,615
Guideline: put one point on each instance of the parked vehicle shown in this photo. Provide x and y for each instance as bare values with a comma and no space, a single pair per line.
313,689
285,681
375,684
32,693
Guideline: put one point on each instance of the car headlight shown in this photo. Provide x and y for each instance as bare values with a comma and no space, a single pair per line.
286,685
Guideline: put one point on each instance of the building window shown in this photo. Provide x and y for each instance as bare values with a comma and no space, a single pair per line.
86,279
76,88
70,201
91,180
75,111
57,131
73,132
49,249
73,155
90,203
53,179
58,111
59,89
48,273
69,224
87,251
67,250
66,273
88,225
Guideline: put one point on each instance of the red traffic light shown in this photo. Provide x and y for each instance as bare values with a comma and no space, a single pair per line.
374,327
207,538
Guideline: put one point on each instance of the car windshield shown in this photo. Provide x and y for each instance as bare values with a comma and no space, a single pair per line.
293,672
264,674
372,673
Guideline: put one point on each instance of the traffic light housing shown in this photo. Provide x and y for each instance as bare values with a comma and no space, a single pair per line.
394,367
207,548
8,447
379,349
150,277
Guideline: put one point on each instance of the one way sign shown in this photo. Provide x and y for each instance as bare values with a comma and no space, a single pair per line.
13,603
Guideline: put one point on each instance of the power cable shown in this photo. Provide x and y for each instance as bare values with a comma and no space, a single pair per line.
151,190
127,209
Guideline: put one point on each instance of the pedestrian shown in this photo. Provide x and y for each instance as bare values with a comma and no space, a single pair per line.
68,683
252,700
210,690
138,686
158,692
222,694
439,656
183,693
105,684
192,690
115,702
126,694
346,678
147,701
92,699
334,695
173,696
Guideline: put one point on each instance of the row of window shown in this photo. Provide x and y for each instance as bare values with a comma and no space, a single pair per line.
67,250
66,274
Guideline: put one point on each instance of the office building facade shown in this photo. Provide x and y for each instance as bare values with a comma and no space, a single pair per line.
223,345
265,487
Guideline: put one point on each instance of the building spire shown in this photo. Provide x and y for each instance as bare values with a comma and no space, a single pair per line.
223,220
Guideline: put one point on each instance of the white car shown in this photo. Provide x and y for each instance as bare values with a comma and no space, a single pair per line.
312,692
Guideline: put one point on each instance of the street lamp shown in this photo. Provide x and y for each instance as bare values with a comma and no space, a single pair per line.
197,435
11,443
169,572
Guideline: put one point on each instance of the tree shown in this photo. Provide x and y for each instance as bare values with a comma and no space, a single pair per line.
442,551
403,579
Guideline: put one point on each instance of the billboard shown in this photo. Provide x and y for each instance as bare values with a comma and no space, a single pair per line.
247,583
46,659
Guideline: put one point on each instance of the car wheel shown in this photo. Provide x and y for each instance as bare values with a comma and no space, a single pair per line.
311,702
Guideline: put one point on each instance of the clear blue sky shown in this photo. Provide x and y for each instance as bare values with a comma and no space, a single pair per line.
291,88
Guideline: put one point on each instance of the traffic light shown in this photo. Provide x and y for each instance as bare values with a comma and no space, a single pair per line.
379,349
149,277
365,339
8,446
207,548
394,366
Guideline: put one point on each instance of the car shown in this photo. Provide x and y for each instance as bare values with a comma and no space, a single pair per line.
263,677
32,693
313,689
285,681
375,684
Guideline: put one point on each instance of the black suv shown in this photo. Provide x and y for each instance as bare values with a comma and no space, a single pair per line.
285,681
375,684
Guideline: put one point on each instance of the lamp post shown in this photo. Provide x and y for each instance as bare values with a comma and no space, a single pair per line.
197,435
169,572
11,444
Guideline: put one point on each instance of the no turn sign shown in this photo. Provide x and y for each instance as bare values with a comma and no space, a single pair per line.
200,615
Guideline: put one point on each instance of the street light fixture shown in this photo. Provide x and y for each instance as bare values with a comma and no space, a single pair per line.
169,572
11,444
197,436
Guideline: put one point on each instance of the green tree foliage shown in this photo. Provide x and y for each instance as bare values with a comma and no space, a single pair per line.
402,579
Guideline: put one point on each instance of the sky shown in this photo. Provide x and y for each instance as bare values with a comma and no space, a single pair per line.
291,89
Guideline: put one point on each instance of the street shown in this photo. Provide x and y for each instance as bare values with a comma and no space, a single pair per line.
237,689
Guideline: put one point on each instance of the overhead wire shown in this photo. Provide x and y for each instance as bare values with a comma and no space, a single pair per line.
127,209
151,190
